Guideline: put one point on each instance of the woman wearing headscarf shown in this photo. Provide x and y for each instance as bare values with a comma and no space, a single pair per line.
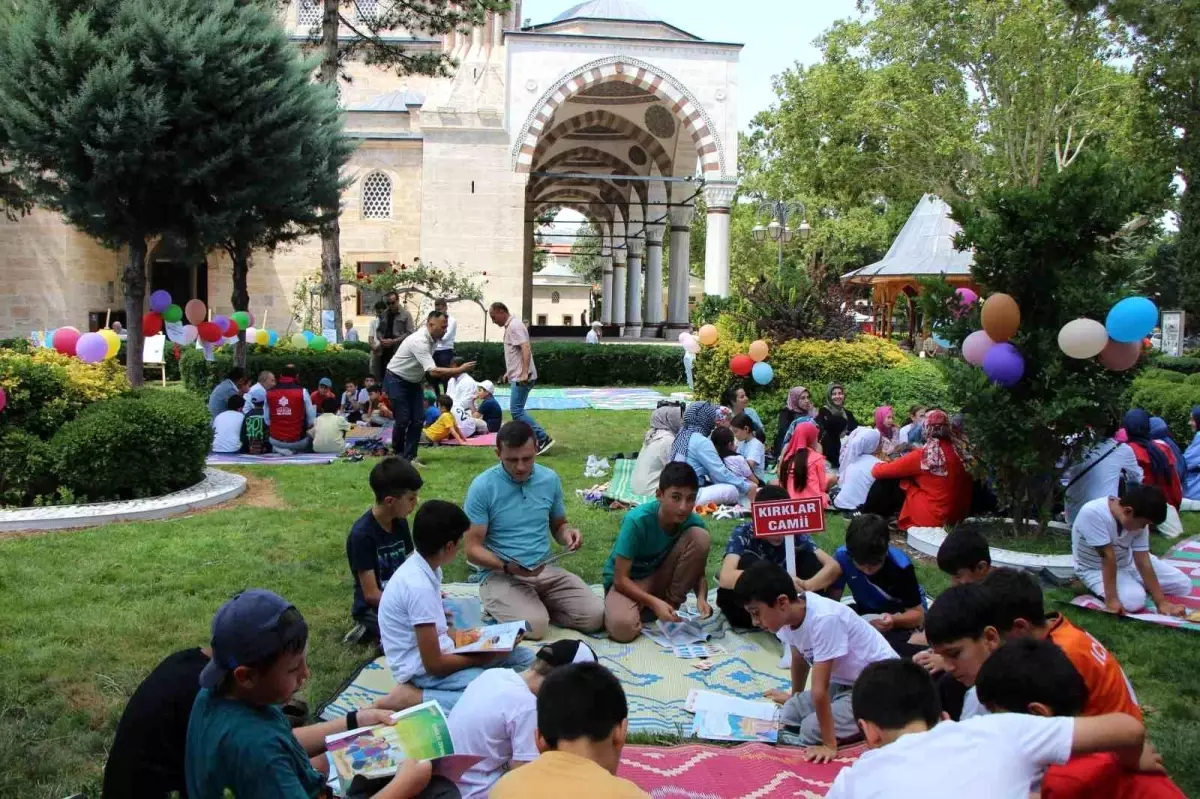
834,422
855,476
802,466
798,409
885,425
665,424
693,446
1155,458
1191,456
1160,432
937,487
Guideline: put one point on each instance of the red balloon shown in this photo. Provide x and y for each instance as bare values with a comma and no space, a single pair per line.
209,331
152,324
741,365
231,329
65,339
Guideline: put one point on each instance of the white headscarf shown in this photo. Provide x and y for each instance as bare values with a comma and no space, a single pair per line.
863,441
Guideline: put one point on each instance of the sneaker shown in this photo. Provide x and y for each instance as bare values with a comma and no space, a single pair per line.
545,446
417,463
356,635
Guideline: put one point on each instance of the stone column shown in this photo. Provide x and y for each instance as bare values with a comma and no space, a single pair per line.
527,271
719,198
606,286
633,289
654,275
680,277
618,287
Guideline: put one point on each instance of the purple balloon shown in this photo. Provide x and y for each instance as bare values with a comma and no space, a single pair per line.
221,322
159,301
91,348
1004,365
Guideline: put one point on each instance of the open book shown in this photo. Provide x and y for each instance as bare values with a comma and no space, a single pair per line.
419,733
729,718
493,638
670,634
546,561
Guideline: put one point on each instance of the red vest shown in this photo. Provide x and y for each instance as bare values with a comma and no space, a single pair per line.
285,404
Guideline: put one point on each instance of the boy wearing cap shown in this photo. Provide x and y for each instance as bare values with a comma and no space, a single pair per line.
496,718
238,738
324,391
487,408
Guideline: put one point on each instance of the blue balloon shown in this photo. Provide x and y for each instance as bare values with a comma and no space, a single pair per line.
47,338
308,336
1131,319
762,373
272,337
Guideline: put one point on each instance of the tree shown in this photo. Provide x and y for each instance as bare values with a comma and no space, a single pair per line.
585,253
342,36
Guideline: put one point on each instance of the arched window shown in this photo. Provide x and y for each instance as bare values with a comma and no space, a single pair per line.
308,12
377,196
554,297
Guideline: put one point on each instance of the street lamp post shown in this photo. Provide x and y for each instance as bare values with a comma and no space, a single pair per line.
779,212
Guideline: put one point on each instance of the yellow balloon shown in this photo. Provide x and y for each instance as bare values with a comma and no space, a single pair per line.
758,351
708,335
113,341
262,337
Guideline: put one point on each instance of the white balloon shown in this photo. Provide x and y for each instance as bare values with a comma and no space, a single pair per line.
190,334
1082,338
251,333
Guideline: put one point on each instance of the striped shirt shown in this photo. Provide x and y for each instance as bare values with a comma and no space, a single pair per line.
1095,527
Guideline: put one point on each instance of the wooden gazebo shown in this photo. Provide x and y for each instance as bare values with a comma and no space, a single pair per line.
923,248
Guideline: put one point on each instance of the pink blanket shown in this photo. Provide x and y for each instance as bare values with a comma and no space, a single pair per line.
1184,556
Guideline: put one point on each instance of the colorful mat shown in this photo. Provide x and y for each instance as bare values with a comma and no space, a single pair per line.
362,432
485,440
620,484
272,459
1184,556
605,399
656,683
749,771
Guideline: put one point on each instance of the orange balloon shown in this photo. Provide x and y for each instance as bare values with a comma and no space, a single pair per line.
708,335
1001,317
759,351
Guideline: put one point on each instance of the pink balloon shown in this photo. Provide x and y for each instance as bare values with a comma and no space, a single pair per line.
65,339
3,400
975,347
91,348
195,311
1119,356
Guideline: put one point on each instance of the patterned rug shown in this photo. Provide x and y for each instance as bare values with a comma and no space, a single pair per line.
749,771
272,459
656,682
604,399
1184,556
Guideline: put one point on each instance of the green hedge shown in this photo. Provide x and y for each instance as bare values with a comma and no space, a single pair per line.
339,365
26,468
1186,364
1171,400
361,346
919,381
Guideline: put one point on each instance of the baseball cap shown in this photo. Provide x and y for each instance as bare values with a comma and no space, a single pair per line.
488,386
244,631
566,652
325,381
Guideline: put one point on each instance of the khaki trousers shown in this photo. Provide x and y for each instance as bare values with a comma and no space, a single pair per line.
671,581
556,596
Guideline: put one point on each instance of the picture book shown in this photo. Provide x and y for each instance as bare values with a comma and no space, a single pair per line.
463,612
716,726
700,701
546,561
493,638
688,651
670,634
419,733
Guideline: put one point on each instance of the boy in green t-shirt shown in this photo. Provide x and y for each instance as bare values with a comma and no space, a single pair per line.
659,556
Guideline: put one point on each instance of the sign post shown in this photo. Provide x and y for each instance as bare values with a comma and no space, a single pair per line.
787,518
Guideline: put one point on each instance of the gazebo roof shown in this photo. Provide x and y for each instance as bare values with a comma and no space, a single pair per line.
925,246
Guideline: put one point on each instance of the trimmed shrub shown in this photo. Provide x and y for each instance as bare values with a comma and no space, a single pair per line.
360,346
146,443
1172,401
1163,375
47,389
1187,365
915,382
16,344
26,468
338,365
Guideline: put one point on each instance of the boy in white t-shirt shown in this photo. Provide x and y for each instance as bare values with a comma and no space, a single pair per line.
496,718
412,620
227,428
998,756
826,636
1110,542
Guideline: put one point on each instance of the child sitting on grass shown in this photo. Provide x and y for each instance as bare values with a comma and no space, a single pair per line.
412,620
379,407
748,445
965,556
329,430
960,629
432,412
724,442
351,404
914,754
824,635
444,426
487,407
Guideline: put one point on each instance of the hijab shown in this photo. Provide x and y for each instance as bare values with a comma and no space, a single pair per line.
1137,429
795,397
724,413
805,437
700,417
836,410
1160,432
936,428
881,414
861,443
667,419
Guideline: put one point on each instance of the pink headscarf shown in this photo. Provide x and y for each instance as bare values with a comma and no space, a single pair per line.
881,415
804,436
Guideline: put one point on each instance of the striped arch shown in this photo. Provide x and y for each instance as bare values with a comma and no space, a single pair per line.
590,193
609,120
686,108
611,187
609,160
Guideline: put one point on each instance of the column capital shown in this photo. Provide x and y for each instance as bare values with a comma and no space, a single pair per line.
619,257
681,217
654,235
636,247
719,195
606,263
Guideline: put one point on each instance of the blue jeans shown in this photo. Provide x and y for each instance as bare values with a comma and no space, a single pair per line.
516,406
449,689
408,401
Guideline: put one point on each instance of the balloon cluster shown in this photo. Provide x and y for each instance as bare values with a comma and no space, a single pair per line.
87,347
989,348
1116,344
752,364
221,329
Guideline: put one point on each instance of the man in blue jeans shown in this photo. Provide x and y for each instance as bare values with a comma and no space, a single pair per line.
404,382
520,370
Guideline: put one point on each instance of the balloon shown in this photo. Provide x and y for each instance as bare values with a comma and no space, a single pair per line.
242,318
1120,355
300,341
975,347
762,373
113,341
318,343
3,400
1082,338
262,337
48,339
1001,317
231,329
208,331
944,343
190,334
152,324
251,335
221,321
741,365
966,296
1004,365
759,351
708,335
91,348
196,312
273,338
253,320
173,313
1131,319
308,336
65,339
160,301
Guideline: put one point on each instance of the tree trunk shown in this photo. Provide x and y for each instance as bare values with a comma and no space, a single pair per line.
135,298
331,258
241,295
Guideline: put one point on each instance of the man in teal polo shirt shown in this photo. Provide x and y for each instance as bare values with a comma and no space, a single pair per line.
514,507
658,557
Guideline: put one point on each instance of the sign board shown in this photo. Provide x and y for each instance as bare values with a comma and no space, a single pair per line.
1172,333
786,517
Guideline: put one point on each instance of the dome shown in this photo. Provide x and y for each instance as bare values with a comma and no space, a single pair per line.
607,9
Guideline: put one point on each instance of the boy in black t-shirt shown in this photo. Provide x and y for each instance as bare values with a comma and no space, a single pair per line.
380,541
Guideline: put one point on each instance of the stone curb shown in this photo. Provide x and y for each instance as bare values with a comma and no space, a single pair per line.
926,540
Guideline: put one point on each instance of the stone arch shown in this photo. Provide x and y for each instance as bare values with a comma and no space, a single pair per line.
686,108
599,195
609,120
606,187
609,160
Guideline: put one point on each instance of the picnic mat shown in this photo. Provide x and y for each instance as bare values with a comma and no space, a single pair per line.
271,459
620,484
749,771
604,399
1184,556
485,440
656,683
362,432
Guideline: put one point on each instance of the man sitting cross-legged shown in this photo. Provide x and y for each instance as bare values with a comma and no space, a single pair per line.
659,556
515,507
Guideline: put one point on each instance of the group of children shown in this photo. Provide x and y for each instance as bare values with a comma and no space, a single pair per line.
459,417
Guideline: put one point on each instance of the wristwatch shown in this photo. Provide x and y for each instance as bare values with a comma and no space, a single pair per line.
505,567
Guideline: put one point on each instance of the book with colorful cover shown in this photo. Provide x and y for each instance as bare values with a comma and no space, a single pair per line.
546,561
717,726
493,638
463,613
419,733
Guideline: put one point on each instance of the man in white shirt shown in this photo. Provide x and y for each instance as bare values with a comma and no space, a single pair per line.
404,382
443,351
496,718
1098,474
227,427
997,756
258,392
593,336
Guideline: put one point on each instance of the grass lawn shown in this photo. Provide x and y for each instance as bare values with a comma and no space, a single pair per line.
87,614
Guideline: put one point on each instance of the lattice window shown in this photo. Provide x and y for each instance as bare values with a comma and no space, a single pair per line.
377,196
554,297
308,12
367,9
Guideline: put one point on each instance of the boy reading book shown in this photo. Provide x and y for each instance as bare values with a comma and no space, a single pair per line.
659,556
998,756
825,636
412,620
